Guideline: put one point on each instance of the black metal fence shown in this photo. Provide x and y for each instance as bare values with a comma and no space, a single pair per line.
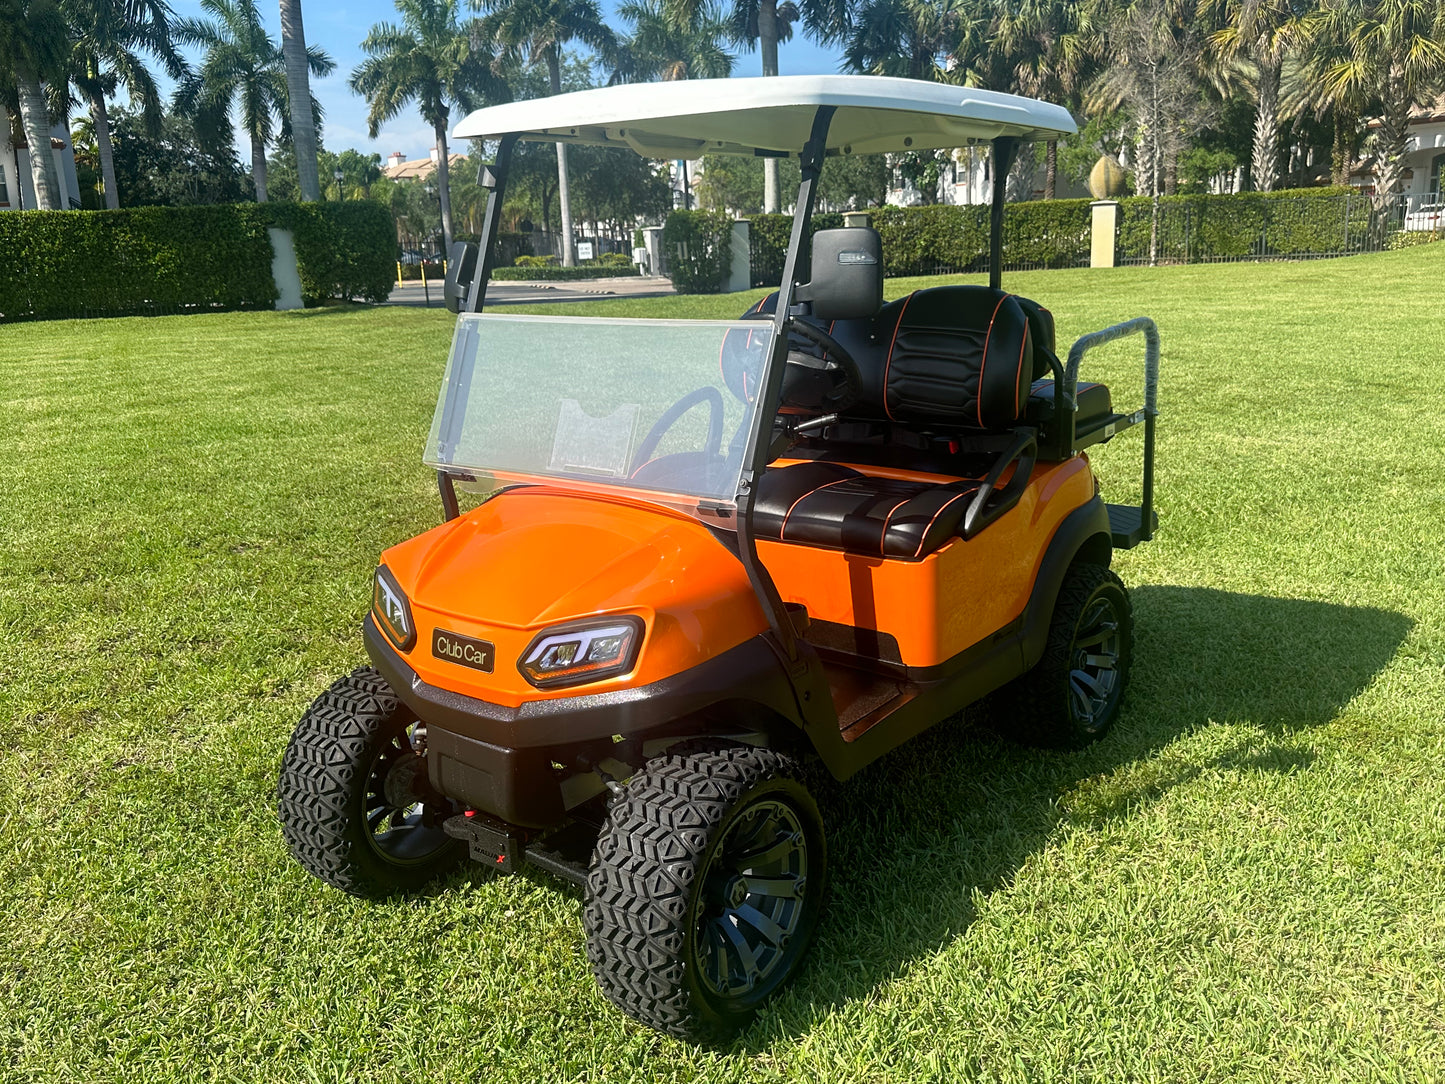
1255,226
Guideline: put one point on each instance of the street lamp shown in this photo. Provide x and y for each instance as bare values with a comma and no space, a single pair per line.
340,190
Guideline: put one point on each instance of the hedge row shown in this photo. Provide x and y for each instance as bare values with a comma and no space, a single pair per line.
1300,222
1056,233
699,248
944,238
154,260
560,274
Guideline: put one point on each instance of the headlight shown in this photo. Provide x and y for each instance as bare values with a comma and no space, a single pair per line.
391,609
577,654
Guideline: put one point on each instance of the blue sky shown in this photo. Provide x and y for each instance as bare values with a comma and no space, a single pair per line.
340,28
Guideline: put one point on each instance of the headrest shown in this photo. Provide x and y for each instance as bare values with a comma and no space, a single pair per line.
1041,330
957,355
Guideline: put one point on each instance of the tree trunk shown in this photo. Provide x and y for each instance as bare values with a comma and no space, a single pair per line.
444,192
1264,163
1342,155
258,166
298,90
1051,167
564,195
1391,139
35,119
768,46
101,119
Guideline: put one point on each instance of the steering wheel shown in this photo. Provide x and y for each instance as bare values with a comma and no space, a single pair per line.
706,394
837,354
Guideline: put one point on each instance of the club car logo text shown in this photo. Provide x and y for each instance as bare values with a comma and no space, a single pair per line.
463,650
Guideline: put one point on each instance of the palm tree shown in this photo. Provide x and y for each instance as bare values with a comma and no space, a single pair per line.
298,88
34,49
107,39
1388,51
765,23
661,47
1264,33
540,28
240,62
910,38
1048,49
427,59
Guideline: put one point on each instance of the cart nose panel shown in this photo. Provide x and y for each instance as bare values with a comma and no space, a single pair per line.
532,559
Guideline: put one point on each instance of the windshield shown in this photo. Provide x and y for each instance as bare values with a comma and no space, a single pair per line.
659,407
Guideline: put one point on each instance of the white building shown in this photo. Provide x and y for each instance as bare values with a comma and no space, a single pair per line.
1424,159
967,180
17,187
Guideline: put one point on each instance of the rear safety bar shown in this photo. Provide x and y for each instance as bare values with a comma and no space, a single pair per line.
1139,325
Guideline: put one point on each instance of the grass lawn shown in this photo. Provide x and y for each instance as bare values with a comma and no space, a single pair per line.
1243,882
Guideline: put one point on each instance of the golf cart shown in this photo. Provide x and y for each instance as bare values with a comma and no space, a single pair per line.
710,555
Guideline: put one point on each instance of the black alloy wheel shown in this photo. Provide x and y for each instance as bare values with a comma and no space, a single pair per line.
706,888
1072,696
354,802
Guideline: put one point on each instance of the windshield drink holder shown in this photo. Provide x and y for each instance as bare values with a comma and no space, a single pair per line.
756,453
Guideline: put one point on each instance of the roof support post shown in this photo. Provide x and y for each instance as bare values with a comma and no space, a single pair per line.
1005,150
759,439
459,390
487,243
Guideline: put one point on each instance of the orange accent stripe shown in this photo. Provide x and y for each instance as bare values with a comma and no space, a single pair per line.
924,536
883,538
816,489
1019,375
984,360
888,364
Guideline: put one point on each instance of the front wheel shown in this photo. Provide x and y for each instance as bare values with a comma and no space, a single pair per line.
706,889
355,806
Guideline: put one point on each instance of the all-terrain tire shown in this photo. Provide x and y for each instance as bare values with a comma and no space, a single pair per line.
675,869
331,794
1072,696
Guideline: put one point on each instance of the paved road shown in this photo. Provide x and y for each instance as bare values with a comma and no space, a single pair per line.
538,293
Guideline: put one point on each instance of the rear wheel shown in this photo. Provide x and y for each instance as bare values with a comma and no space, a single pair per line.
706,888
355,806
1072,695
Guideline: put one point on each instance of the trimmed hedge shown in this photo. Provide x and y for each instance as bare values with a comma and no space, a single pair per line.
699,248
157,260
944,239
1259,225
141,260
343,250
561,274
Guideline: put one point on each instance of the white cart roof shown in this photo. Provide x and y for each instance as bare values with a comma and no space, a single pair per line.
692,117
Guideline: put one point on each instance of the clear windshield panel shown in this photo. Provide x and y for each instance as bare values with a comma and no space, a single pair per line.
659,407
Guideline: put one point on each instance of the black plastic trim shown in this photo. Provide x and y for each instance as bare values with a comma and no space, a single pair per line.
751,672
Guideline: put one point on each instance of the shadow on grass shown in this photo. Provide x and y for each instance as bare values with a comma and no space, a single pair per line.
958,811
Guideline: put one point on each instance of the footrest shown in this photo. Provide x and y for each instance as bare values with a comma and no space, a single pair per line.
1126,524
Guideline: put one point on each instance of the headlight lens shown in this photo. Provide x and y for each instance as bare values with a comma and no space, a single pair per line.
391,609
577,654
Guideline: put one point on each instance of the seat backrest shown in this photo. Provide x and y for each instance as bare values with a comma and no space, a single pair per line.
950,355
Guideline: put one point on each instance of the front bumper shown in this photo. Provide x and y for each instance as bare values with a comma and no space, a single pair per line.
500,759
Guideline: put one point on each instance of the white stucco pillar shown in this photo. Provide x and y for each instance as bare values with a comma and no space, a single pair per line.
1103,245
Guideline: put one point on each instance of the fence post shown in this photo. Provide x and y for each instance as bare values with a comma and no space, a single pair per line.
1103,245
740,274
652,241
284,269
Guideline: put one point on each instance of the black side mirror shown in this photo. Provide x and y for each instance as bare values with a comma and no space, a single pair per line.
461,269
847,274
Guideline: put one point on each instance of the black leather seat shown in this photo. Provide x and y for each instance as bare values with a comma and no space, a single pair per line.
836,507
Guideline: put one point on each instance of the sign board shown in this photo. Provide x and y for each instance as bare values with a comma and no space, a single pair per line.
584,250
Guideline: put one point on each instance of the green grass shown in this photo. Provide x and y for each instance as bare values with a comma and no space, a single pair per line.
1242,883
